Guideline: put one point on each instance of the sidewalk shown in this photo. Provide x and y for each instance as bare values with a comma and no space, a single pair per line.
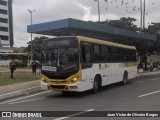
2,69
148,73
25,88
10,91
18,89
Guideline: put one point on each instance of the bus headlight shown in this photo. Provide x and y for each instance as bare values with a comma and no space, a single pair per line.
43,80
74,80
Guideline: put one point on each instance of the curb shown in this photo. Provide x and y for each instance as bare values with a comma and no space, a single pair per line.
150,73
20,93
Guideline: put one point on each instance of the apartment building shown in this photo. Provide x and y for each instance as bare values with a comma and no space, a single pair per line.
6,23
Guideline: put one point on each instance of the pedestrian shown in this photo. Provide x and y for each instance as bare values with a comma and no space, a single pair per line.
151,66
34,67
12,66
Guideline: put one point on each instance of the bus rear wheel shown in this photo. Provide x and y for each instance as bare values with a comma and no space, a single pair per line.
125,78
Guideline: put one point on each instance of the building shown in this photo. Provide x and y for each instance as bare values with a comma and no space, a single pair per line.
18,54
6,23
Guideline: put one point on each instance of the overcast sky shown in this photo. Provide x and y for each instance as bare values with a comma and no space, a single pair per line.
51,10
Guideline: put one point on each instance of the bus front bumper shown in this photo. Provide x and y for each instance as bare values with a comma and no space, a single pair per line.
75,87
44,86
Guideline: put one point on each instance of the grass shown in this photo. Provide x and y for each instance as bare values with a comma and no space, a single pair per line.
19,77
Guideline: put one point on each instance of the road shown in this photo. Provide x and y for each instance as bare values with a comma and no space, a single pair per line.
140,94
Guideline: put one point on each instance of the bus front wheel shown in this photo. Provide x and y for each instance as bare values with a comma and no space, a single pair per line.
95,86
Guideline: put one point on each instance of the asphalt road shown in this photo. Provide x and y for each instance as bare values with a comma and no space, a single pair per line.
140,94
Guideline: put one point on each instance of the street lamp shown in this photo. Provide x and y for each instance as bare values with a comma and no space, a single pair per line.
98,9
141,18
144,13
31,11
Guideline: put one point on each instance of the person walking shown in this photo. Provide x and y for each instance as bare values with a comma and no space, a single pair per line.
12,66
151,66
34,67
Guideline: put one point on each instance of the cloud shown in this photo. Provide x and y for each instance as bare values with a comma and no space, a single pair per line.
50,10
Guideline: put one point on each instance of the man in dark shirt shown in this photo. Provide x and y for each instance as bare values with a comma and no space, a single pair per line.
34,67
12,66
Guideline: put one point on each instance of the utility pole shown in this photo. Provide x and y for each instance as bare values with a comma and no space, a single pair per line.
144,13
31,11
141,17
98,10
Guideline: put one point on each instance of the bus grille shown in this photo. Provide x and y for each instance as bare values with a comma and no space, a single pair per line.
58,86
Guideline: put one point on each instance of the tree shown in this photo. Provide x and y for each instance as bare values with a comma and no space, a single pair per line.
153,28
36,46
123,23
144,48
147,48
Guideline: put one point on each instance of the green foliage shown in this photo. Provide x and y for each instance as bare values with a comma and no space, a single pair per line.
153,28
150,47
36,42
143,47
147,48
123,23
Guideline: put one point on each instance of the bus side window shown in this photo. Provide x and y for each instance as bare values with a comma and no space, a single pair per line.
86,54
96,53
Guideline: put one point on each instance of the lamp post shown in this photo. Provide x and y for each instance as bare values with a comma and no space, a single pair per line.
141,18
144,13
31,11
98,9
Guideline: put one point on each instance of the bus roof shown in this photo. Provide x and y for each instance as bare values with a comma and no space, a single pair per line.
92,40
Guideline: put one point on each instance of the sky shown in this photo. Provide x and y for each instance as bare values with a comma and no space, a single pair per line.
87,10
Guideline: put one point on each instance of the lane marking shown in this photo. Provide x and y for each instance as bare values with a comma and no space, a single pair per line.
139,82
150,79
79,113
26,101
62,118
25,97
155,79
20,90
149,94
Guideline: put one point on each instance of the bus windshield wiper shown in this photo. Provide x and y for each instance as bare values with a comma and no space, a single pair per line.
69,67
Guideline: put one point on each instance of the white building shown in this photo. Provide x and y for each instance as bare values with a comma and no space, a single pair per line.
6,23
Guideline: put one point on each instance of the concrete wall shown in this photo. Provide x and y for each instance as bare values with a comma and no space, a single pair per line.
154,58
4,63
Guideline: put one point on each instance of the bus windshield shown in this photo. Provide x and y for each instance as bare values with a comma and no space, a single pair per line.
60,60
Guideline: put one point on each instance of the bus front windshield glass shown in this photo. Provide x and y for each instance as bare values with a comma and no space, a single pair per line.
62,59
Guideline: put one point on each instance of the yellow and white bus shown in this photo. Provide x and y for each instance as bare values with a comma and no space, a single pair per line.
22,59
80,63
